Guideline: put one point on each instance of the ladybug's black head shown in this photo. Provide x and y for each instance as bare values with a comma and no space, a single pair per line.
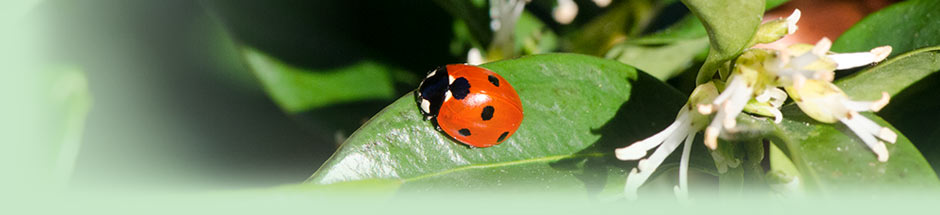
431,92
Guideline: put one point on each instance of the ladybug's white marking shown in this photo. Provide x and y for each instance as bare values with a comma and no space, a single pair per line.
450,79
447,96
431,74
425,106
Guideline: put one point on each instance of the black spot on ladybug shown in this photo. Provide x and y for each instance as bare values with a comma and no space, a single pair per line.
502,136
465,132
487,113
460,88
432,89
494,80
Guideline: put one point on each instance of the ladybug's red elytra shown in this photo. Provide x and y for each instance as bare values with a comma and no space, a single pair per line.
471,104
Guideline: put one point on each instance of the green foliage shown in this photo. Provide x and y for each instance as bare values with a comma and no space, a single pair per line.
905,26
562,144
893,75
663,62
831,159
730,25
908,27
297,89
473,15
668,52
579,108
533,37
623,20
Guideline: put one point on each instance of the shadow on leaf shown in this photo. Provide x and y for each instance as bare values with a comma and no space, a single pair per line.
635,120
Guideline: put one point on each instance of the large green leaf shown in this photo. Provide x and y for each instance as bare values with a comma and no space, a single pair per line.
577,110
730,25
905,26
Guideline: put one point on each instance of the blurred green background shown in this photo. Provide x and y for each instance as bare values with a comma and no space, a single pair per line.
173,103
171,99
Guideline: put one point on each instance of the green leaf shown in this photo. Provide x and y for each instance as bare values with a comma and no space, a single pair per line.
663,62
774,3
905,26
299,89
730,25
893,75
832,159
783,177
911,79
532,36
669,52
688,28
577,110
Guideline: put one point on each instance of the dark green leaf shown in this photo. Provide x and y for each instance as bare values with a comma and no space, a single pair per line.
912,80
832,159
298,89
730,25
893,75
905,26
577,110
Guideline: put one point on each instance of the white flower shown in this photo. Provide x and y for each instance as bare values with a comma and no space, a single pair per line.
602,3
852,60
504,14
799,62
687,124
794,65
474,57
729,104
565,12
768,103
825,102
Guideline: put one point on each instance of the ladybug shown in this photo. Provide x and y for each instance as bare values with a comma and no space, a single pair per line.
473,105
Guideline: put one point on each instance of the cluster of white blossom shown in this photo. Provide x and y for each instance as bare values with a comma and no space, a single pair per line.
804,72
